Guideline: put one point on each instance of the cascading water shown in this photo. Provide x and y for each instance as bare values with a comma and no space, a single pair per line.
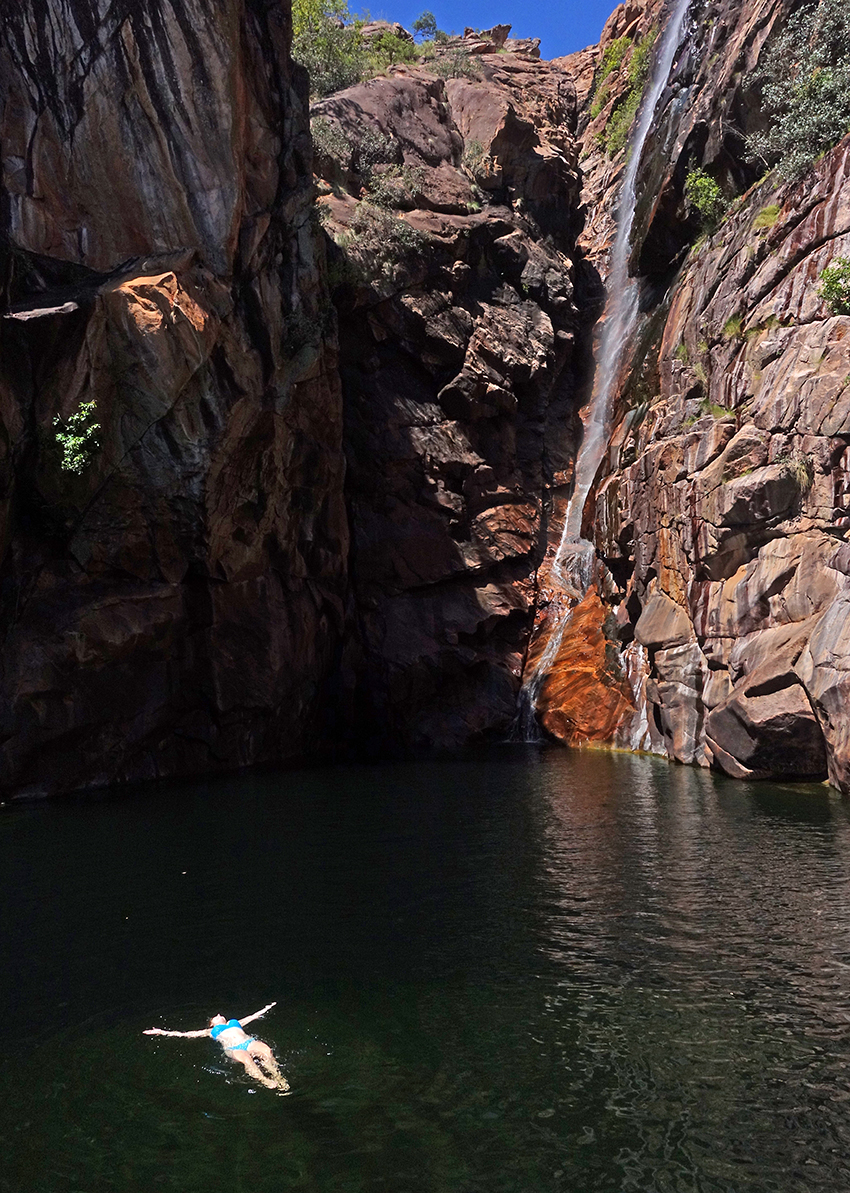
572,567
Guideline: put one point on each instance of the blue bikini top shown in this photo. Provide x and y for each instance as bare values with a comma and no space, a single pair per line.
216,1031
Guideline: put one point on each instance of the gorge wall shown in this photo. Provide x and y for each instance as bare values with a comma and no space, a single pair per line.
720,516
336,437
461,357
177,606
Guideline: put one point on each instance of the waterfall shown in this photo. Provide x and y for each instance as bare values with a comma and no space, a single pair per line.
572,567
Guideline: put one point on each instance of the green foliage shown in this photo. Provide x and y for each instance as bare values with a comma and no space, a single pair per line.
600,99
612,59
805,83
77,438
326,40
681,353
834,286
456,64
709,407
425,27
733,328
620,123
329,141
475,160
371,150
767,217
396,186
381,246
703,193
623,117
385,50
641,59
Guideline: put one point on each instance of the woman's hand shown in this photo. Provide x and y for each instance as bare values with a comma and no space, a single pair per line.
153,1031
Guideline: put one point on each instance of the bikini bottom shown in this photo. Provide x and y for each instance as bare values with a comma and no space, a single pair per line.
240,1047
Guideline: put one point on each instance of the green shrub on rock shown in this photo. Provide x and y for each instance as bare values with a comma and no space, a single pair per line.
326,40
704,194
612,58
623,117
456,64
330,141
767,217
387,49
805,83
835,286
620,123
77,439
425,27
381,246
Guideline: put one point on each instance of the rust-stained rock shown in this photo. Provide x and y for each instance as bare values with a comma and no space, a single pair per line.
586,696
726,502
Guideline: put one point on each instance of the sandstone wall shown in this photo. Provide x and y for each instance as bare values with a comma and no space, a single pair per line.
721,515
179,605
461,366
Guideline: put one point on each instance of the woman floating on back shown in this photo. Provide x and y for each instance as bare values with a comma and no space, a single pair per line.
256,1056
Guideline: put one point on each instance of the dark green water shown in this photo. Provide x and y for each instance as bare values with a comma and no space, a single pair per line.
523,971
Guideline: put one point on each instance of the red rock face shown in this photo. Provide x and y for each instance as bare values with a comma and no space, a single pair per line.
324,495
459,373
586,695
176,607
721,516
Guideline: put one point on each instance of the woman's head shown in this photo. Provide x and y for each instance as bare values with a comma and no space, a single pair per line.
216,1020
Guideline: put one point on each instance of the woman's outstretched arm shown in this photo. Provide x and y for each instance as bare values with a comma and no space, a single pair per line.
257,1014
188,1035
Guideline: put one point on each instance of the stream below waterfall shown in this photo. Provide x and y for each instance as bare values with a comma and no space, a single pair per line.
531,969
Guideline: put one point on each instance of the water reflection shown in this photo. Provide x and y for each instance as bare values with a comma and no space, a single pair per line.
698,933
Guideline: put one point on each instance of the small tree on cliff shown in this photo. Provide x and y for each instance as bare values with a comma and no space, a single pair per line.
805,83
425,26
326,39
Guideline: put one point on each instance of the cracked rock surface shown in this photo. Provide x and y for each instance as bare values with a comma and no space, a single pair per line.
176,607
721,513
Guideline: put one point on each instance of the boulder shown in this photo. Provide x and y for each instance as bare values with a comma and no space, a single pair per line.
663,623
767,736
824,669
373,29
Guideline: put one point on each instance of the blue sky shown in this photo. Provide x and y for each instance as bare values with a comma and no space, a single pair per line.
562,25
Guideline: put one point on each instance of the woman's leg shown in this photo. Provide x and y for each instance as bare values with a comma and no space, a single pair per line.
253,1069
262,1054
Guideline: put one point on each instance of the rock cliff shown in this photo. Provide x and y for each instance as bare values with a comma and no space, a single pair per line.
177,604
280,474
453,203
721,513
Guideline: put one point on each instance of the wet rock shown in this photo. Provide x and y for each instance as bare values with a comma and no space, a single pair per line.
720,515
824,669
586,694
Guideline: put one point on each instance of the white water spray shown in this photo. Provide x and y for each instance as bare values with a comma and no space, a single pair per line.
572,567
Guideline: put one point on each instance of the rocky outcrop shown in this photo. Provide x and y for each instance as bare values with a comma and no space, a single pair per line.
721,517
176,605
276,474
460,366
